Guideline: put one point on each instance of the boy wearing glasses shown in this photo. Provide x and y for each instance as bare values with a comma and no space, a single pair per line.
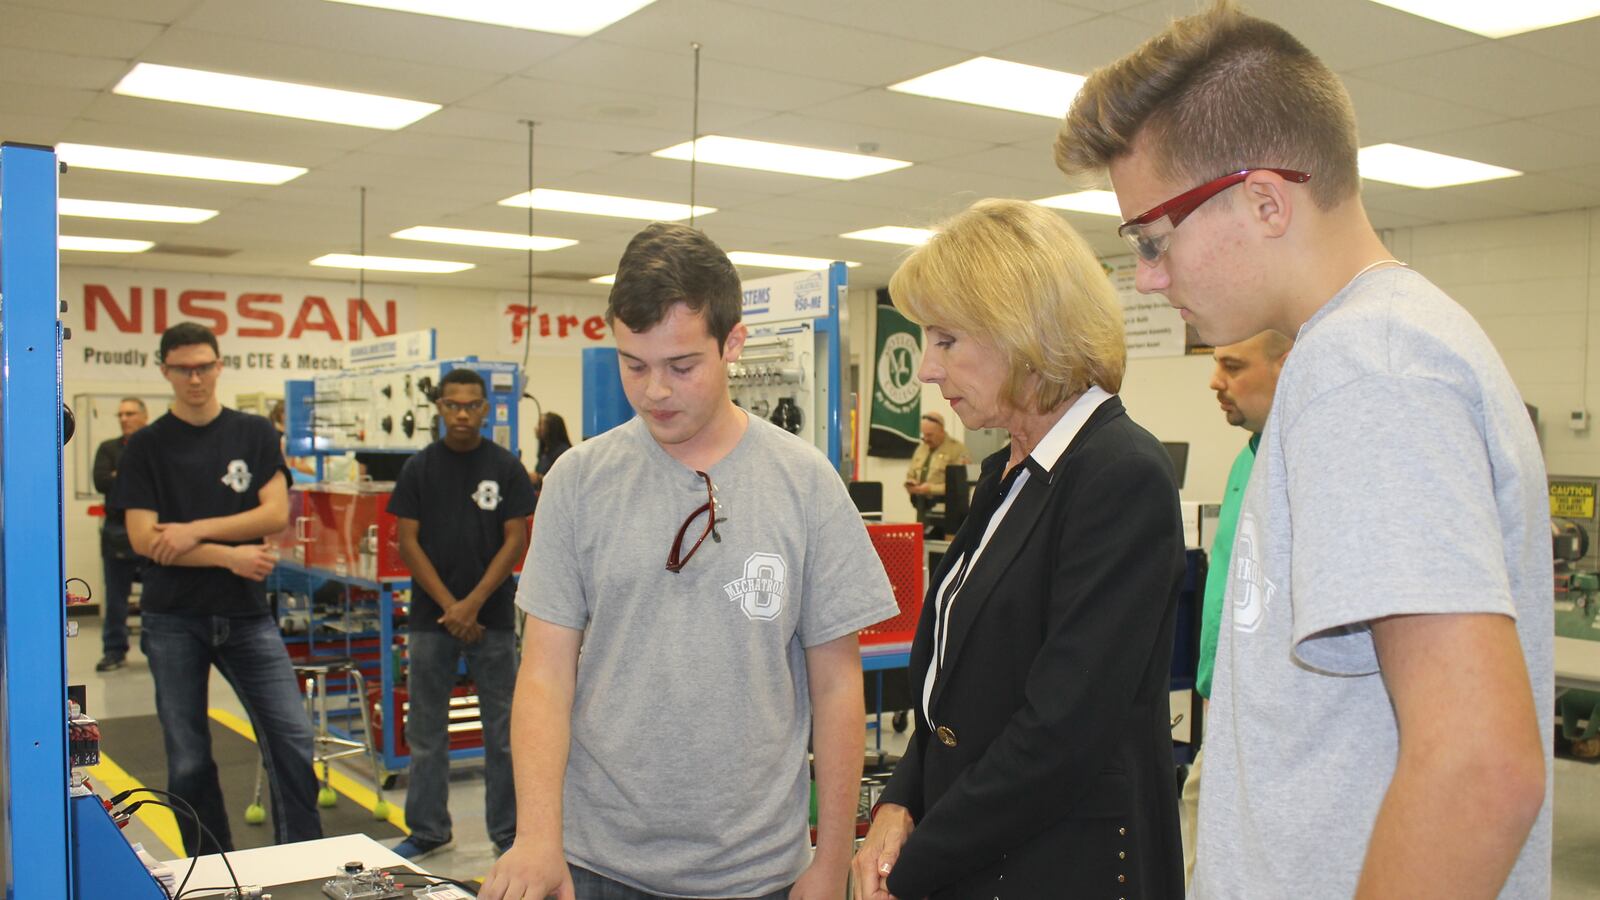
201,487
462,505
715,573
1416,575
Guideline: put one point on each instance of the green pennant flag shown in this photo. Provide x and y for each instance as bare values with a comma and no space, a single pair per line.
896,393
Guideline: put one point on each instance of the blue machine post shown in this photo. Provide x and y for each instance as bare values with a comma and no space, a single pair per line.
835,381
33,667
605,406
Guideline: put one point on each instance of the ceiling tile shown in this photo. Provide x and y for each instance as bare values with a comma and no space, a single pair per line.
1490,76
1574,42
75,34
159,12
783,43
951,23
652,73
853,137
940,118
539,100
1081,47
1346,35
378,33
1389,114
1446,205
335,67
59,70
1520,145
35,100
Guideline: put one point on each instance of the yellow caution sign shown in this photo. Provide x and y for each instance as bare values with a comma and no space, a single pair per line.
1572,499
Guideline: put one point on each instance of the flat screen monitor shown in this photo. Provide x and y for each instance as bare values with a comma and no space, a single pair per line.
957,497
1180,459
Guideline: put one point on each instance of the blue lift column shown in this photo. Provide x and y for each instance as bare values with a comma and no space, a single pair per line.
33,668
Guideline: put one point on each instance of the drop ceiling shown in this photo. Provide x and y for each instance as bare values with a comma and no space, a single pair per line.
810,72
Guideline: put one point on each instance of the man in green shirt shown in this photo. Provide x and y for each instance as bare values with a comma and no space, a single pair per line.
1245,379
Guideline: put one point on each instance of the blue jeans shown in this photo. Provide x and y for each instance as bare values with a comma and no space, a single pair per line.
589,886
119,575
492,662
249,653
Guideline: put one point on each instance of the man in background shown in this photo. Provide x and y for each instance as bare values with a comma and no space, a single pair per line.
1245,379
203,487
925,475
462,505
117,559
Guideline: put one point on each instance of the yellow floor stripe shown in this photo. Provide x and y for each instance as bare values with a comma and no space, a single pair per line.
355,791
158,819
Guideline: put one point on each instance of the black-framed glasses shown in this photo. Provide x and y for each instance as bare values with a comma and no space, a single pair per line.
471,406
675,562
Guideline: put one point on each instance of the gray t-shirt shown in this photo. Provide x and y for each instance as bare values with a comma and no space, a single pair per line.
1398,474
687,775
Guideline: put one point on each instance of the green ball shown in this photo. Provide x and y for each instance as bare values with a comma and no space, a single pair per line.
255,814
326,798
381,811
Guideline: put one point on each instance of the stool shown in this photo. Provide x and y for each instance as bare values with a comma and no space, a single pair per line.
326,747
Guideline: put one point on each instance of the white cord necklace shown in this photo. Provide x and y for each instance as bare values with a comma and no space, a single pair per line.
1371,266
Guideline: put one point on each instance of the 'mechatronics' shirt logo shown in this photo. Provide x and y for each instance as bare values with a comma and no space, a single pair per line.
237,477
760,592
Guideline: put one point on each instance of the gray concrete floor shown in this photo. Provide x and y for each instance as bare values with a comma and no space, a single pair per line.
129,692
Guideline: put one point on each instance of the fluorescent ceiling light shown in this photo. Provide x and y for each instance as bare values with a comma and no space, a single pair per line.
1495,20
102,245
503,240
891,234
605,205
1100,203
138,212
787,158
579,18
986,81
780,261
1411,167
178,165
274,98
390,263
604,279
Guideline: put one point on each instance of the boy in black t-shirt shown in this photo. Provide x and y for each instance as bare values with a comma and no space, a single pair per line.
462,505
202,486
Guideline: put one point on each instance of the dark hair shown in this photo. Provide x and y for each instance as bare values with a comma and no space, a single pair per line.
666,264
142,407
555,432
462,376
185,334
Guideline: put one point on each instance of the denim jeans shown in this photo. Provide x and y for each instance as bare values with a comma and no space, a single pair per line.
119,575
250,655
492,663
589,886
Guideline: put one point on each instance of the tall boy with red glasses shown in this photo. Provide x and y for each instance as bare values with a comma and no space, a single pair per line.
1392,557
714,572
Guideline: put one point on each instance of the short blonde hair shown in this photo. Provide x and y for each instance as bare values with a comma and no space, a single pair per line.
1215,93
1016,275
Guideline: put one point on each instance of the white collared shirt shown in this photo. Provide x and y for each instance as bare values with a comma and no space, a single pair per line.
1045,454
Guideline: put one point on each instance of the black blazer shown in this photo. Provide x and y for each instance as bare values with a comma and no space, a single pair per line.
1056,777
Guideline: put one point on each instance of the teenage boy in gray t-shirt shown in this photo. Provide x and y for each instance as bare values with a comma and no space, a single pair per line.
1392,558
714,573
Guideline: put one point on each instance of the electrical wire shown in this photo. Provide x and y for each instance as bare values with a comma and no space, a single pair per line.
190,812
694,128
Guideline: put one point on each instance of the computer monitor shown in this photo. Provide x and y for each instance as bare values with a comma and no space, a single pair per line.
1179,452
957,497
867,497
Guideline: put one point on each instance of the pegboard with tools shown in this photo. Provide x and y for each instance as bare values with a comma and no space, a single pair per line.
392,408
789,372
